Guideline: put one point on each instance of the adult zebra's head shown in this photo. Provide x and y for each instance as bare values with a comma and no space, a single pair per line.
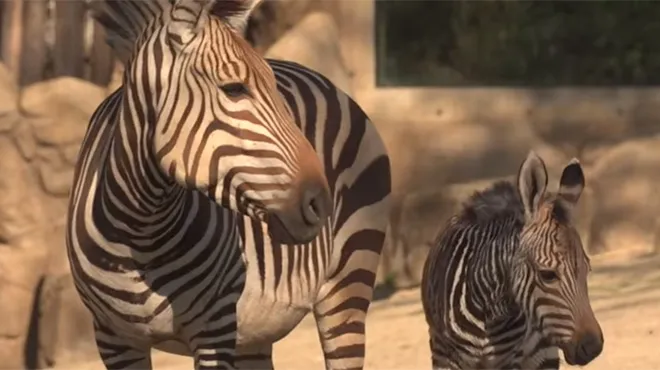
220,125
551,268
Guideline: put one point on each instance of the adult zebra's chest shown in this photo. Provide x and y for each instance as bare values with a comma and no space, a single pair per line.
282,282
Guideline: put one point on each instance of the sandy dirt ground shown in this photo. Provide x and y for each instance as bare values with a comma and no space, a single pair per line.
625,297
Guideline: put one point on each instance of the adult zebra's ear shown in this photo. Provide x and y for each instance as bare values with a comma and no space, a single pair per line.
187,20
532,183
235,13
571,183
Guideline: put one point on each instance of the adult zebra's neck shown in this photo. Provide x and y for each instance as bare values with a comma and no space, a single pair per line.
137,199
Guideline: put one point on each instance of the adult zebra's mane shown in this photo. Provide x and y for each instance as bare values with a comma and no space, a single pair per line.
499,200
125,21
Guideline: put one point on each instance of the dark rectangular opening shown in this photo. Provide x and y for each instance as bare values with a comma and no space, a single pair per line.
517,43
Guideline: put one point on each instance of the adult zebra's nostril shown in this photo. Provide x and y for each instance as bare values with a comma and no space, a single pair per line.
302,223
314,208
312,216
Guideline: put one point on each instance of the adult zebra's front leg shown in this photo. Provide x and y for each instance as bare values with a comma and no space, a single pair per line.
118,353
344,299
255,357
214,347
340,319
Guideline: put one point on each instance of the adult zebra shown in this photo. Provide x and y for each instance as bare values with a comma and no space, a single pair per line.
197,191
505,285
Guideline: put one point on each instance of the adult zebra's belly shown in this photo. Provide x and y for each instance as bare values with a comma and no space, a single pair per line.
263,319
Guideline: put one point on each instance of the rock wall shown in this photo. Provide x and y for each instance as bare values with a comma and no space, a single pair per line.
40,133
273,19
436,165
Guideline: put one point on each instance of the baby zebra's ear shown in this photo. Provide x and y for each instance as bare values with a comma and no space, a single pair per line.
532,183
571,184
235,13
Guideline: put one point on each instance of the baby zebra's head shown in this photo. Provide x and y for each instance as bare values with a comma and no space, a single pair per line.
550,270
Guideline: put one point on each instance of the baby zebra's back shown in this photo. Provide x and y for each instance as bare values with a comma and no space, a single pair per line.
505,285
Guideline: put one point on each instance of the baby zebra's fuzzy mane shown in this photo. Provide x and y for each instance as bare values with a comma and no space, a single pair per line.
502,200
497,201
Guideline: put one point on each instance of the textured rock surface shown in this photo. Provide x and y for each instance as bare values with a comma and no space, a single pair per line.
314,43
39,147
626,184
66,335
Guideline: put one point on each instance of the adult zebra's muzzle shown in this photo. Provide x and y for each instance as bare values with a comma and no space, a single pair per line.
302,221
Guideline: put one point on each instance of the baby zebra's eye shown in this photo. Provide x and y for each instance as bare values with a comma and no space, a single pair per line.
548,276
235,90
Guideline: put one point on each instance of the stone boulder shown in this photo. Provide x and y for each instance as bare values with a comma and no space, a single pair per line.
626,183
66,335
8,91
314,43
58,112
57,116
64,99
39,145
272,19
24,245
8,100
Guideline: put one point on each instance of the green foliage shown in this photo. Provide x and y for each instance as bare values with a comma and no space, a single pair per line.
542,43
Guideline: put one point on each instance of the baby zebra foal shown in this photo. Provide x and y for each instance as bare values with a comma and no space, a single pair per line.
505,285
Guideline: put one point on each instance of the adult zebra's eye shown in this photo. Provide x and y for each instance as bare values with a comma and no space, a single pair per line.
235,89
548,276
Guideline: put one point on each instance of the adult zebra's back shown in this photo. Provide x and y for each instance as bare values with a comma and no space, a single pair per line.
505,285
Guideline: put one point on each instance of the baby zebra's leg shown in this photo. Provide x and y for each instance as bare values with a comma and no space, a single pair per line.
439,359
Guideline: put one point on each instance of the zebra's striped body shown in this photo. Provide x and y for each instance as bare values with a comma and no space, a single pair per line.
189,228
334,275
164,291
505,285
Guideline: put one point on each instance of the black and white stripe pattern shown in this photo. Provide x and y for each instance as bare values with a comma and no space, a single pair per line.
197,222
334,275
505,285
